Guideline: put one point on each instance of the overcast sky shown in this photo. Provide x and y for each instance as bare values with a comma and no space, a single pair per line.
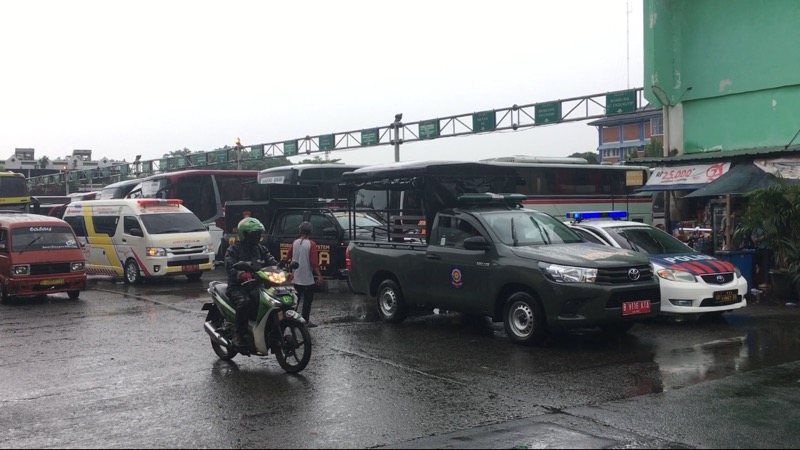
148,77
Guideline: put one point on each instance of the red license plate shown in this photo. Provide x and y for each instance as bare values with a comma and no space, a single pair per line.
637,307
192,268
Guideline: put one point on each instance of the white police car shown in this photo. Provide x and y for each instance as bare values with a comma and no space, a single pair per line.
691,282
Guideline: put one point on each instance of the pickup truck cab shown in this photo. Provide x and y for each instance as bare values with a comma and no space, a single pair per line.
492,257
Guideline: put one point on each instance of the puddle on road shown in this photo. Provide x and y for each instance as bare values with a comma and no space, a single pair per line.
749,348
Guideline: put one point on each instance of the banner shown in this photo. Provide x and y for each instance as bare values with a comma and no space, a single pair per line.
780,167
687,175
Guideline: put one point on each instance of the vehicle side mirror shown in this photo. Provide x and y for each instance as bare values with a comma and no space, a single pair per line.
137,232
476,243
330,233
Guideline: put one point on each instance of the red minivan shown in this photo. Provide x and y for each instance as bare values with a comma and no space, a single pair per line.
39,255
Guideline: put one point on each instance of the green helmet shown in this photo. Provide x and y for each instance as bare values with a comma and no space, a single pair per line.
248,225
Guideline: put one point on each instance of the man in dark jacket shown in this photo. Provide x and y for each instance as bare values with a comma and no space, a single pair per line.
249,249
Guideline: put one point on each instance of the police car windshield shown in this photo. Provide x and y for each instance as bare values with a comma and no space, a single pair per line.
530,228
649,240
42,238
172,223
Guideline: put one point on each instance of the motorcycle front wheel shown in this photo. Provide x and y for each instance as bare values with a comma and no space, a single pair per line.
294,350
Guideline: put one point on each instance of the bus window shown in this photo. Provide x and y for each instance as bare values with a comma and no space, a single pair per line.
197,193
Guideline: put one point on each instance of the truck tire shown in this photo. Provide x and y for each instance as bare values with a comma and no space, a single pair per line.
523,319
391,306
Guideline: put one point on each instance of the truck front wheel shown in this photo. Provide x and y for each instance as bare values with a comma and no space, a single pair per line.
523,319
391,306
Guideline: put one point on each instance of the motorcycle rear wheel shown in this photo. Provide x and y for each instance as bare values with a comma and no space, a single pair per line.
224,353
294,350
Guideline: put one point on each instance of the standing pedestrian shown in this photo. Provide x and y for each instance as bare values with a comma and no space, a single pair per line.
307,277
763,256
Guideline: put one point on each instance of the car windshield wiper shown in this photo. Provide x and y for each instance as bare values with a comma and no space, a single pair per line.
542,231
30,243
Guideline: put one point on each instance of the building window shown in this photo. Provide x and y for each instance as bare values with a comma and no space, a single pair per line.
657,126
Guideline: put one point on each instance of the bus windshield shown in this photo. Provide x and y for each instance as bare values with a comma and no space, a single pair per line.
13,186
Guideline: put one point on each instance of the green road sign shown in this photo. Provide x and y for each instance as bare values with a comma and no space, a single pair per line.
429,129
123,170
221,156
369,137
147,166
483,121
326,142
620,102
549,112
290,148
257,152
200,159
163,164
181,162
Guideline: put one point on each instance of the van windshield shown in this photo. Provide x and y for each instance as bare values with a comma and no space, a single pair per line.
172,223
44,237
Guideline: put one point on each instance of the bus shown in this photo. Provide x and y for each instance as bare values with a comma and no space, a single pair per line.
14,194
204,192
558,188
325,176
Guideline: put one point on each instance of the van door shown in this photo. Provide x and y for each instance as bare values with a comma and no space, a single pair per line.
102,230
131,244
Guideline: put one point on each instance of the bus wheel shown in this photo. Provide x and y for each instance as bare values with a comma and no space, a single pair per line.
132,274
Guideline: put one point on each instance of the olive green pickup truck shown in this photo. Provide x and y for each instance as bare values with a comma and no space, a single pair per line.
515,265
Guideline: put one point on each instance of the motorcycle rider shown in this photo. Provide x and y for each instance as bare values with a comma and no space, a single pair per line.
249,249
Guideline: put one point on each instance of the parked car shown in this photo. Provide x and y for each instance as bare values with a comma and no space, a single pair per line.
691,282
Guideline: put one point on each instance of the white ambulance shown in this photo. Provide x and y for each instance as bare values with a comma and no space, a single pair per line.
141,238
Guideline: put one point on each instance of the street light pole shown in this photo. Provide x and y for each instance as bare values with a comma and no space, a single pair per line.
66,179
396,125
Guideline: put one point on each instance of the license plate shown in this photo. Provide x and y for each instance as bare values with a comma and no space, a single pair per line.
726,296
191,268
52,282
637,307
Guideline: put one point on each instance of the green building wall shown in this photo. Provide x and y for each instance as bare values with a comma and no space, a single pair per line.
741,59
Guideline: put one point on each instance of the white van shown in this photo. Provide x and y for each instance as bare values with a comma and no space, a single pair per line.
141,238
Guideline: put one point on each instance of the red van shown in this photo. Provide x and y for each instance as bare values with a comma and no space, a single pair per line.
39,255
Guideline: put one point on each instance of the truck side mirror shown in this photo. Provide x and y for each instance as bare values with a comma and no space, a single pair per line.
137,232
476,243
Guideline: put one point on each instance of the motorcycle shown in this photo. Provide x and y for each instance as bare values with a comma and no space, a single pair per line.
278,328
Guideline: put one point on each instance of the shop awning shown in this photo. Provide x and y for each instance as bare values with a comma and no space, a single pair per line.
684,178
747,177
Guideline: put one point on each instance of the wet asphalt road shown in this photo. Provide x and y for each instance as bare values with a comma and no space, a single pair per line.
132,367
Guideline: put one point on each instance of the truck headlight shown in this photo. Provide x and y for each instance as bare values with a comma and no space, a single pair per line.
77,266
23,269
151,251
568,274
676,275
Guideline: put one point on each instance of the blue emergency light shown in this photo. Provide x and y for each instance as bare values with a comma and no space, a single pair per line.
578,216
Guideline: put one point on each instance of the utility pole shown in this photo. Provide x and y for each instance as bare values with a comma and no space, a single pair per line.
66,179
396,141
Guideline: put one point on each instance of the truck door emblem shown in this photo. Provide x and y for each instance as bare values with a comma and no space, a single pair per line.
455,277
634,274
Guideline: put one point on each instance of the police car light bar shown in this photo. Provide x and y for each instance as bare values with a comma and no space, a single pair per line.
597,215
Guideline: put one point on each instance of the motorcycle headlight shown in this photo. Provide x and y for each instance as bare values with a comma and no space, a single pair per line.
277,277
676,275
569,274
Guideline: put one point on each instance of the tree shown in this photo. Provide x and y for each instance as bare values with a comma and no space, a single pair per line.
318,160
43,162
654,149
185,151
591,157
